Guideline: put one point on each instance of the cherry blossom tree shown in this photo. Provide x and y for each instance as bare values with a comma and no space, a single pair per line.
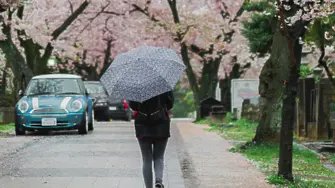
271,83
29,31
6,4
105,30
281,72
201,32
205,34
294,16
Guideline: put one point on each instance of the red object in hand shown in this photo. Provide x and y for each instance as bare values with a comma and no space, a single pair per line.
125,104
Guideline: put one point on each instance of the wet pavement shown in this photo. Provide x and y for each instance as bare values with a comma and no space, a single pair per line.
110,157
107,157
207,163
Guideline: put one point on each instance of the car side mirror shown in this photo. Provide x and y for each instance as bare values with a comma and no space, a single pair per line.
21,93
86,92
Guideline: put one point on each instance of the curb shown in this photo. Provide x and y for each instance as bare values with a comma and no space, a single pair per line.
7,133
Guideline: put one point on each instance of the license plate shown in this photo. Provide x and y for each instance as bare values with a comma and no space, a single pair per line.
112,108
49,121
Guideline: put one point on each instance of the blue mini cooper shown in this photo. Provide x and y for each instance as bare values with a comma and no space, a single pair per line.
54,102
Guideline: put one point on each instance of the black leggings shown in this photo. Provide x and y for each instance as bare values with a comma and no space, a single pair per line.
153,151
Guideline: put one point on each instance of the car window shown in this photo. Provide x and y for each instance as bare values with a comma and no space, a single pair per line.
94,88
53,86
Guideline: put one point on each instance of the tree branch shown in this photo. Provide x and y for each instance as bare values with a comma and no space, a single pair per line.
106,24
200,51
71,6
321,60
146,13
184,52
56,33
31,49
102,11
93,18
117,13
174,10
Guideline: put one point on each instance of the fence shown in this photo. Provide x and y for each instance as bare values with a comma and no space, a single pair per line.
7,115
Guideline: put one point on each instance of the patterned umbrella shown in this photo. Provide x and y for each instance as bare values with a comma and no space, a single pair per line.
143,73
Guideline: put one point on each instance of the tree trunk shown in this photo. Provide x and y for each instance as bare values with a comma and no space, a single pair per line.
209,79
289,101
272,78
13,56
107,59
192,79
209,72
208,83
3,83
17,63
235,73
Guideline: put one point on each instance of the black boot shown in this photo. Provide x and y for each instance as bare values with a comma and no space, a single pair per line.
159,185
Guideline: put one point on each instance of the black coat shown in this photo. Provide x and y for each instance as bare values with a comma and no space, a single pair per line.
152,119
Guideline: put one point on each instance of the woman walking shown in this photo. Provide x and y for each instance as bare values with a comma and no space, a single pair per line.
152,126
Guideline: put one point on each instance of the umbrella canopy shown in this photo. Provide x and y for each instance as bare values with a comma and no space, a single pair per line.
143,73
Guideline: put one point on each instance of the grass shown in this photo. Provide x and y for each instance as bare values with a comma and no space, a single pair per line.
7,127
240,130
299,182
332,158
308,170
203,121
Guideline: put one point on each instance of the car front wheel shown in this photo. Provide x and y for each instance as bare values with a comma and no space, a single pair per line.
83,127
19,130
91,124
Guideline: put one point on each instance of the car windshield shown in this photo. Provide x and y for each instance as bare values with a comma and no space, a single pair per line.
55,86
94,88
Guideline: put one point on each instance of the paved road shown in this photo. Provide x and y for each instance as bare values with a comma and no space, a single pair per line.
108,157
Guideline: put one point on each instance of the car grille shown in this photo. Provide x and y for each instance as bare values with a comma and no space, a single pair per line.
38,123
49,111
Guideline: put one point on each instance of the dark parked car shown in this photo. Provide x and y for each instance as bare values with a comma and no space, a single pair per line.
97,91
107,106
119,109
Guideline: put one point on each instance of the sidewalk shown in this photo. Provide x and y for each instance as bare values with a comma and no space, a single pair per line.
206,161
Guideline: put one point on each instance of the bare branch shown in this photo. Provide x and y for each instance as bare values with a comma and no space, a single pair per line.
321,60
146,13
97,14
200,51
106,24
71,6
93,18
57,32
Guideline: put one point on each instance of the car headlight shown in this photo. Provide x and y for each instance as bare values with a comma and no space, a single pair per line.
76,106
23,106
